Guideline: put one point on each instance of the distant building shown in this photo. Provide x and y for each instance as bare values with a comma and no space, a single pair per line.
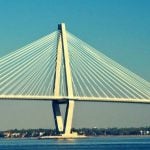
15,135
41,133
7,134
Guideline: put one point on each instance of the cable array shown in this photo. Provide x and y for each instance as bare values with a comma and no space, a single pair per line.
30,71
95,75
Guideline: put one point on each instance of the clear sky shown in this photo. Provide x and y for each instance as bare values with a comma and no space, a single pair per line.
118,28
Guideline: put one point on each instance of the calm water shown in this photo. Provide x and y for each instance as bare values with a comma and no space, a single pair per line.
113,143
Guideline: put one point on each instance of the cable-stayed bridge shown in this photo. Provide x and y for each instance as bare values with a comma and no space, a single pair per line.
62,68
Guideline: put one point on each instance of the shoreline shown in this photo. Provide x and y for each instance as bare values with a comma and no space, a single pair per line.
85,137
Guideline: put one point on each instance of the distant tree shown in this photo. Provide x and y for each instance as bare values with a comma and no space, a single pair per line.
1,135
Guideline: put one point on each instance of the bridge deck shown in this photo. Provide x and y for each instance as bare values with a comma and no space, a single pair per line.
61,98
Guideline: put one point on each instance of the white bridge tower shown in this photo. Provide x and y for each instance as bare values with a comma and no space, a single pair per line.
63,127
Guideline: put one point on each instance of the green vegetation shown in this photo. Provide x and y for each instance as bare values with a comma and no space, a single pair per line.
27,133
113,131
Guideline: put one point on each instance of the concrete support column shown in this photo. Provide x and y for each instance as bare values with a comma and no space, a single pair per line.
57,117
68,117
62,52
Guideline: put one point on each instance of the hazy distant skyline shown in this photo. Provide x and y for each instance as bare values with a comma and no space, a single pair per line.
119,29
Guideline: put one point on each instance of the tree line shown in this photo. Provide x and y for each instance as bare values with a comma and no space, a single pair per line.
24,133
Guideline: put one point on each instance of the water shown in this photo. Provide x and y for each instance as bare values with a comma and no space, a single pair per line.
101,143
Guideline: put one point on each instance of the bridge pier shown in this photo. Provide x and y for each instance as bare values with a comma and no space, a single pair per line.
57,117
63,128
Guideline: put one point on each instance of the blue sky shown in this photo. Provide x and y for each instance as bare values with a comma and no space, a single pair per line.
119,28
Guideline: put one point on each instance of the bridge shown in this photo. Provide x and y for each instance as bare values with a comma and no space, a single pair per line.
63,69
